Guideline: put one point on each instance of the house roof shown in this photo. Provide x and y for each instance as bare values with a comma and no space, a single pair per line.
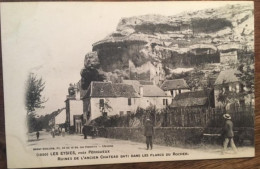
227,76
135,83
153,91
149,90
188,99
107,89
189,102
143,82
174,84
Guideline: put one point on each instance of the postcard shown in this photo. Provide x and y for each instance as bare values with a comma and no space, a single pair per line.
118,82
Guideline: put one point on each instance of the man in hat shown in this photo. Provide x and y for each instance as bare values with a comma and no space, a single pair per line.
149,133
228,134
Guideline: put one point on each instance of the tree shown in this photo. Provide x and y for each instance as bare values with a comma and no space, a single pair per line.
104,106
227,97
34,89
247,78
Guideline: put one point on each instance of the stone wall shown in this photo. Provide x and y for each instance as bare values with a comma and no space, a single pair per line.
179,136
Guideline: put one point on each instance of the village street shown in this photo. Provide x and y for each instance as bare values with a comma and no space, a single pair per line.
114,146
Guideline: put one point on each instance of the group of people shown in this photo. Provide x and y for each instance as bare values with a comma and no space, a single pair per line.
228,134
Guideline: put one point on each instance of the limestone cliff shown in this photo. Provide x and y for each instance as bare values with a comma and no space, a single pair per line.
145,47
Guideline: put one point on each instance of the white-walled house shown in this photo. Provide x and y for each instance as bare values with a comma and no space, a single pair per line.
106,98
174,87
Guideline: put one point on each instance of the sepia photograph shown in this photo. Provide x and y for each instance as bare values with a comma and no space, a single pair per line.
119,82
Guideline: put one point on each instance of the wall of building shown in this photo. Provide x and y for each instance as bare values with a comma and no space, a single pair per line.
145,102
86,110
173,93
176,92
117,104
76,108
228,57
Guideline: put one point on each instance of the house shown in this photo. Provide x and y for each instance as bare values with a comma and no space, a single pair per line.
74,109
227,81
200,98
57,117
106,98
150,94
174,87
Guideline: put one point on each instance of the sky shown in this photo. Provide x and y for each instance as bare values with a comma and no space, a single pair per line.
51,39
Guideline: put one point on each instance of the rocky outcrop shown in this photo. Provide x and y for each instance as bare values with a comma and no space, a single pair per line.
143,47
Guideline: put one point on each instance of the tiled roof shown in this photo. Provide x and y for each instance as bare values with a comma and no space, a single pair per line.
227,76
174,84
149,90
143,82
135,83
107,89
153,91
188,99
189,102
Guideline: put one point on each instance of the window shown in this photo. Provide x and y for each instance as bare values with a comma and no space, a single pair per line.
101,103
129,101
171,92
165,102
121,113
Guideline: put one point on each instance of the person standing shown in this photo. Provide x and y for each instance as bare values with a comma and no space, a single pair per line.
63,132
85,131
228,134
149,133
37,135
53,132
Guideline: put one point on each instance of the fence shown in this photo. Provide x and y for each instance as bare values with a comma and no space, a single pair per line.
182,117
208,117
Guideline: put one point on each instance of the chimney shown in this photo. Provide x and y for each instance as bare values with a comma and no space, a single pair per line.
141,91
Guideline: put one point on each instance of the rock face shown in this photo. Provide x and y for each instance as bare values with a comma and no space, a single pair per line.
144,47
